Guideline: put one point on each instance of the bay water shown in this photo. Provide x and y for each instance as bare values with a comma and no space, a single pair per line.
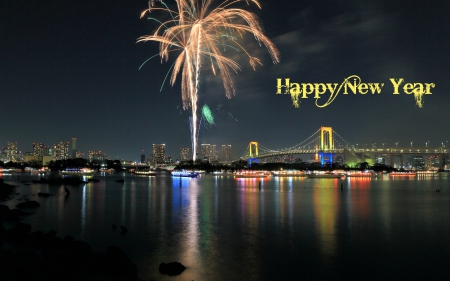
280,228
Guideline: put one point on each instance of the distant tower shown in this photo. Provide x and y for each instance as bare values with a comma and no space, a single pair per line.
142,157
74,148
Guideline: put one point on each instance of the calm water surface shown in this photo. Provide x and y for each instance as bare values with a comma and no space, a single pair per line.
222,228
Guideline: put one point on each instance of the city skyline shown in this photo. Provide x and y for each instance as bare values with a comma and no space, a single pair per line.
64,75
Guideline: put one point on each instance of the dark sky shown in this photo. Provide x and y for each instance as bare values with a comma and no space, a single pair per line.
71,69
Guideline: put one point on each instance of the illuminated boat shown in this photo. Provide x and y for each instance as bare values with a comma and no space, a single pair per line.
81,172
252,174
361,174
144,173
402,173
326,175
292,173
111,170
185,174
427,173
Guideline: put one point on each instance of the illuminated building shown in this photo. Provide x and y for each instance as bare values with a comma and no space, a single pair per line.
96,155
205,152
12,153
38,149
417,162
213,157
61,151
142,157
185,154
159,153
226,152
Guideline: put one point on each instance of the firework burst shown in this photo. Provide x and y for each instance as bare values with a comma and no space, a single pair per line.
199,33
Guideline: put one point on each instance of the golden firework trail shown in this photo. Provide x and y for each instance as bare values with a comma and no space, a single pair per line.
198,32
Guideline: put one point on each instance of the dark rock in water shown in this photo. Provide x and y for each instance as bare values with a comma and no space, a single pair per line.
13,215
54,177
35,239
121,180
4,210
38,256
93,180
124,229
18,232
114,226
28,204
44,194
69,238
118,261
171,268
35,181
6,190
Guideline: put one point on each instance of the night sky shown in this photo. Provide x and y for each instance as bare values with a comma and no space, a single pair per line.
71,69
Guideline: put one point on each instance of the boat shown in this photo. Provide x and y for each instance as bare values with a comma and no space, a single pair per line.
252,174
291,173
39,172
168,169
427,173
407,173
81,172
144,173
111,170
361,174
326,175
183,173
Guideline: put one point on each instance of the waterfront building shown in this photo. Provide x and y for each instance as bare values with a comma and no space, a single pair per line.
159,153
226,153
61,151
185,154
207,151
4,155
142,157
96,155
11,153
38,149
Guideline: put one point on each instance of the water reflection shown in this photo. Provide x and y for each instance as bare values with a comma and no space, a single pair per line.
326,208
251,229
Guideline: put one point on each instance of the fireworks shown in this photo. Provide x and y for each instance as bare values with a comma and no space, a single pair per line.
207,114
199,33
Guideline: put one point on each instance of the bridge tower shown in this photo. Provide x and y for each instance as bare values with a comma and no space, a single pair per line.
326,143
253,158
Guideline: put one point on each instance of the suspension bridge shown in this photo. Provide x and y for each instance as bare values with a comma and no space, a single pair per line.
326,143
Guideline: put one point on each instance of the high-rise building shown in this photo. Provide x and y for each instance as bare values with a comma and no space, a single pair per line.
96,155
38,149
226,153
74,147
142,157
61,151
159,153
205,151
185,154
12,152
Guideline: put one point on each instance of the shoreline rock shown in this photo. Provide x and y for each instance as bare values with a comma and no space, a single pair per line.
44,256
171,268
